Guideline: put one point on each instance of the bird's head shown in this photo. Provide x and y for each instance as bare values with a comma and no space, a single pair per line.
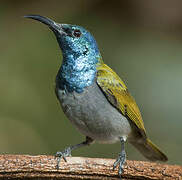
81,56
74,41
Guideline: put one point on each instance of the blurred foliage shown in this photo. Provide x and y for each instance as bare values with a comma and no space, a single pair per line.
141,42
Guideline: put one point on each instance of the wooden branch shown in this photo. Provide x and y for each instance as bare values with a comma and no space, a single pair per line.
43,167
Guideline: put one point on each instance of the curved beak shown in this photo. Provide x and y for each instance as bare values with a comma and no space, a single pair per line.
52,25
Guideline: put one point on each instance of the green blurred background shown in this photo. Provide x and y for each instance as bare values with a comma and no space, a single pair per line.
141,40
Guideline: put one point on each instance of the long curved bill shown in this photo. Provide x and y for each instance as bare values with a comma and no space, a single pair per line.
52,25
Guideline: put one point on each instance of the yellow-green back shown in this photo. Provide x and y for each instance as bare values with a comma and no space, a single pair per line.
118,95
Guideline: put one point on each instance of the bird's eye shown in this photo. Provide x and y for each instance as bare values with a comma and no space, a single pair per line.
77,33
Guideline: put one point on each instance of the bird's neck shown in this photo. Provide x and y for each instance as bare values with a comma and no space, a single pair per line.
76,73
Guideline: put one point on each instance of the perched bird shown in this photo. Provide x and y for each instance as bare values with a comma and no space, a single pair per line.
94,98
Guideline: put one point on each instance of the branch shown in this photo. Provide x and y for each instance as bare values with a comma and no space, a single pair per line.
43,167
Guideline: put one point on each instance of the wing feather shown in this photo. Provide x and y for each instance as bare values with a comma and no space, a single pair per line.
118,95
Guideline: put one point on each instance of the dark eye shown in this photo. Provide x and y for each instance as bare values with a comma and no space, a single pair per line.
77,33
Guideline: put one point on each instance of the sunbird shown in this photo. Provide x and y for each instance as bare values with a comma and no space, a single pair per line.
94,98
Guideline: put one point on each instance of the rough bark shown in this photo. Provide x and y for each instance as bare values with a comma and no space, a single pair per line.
44,167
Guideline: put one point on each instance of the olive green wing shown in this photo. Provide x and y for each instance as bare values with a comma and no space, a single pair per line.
117,94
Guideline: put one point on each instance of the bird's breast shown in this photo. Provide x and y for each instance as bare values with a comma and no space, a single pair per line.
75,75
93,115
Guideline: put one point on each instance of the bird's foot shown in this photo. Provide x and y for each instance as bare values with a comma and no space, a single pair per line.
120,161
63,154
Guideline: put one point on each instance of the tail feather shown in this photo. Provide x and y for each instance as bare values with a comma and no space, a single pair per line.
149,150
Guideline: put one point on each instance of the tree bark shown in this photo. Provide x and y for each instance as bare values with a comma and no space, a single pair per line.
44,167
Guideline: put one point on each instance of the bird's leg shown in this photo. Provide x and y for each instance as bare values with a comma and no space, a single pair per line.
67,152
120,161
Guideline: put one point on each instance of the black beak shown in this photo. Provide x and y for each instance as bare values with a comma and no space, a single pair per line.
52,25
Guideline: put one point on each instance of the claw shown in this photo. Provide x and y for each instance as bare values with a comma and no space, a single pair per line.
120,161
115,164
63,154
64,158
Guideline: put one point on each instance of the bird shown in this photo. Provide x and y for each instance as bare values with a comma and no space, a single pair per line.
94,98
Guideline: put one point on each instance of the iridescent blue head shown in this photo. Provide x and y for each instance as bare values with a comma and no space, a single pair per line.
80,55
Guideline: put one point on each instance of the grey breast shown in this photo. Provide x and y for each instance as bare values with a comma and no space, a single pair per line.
93,115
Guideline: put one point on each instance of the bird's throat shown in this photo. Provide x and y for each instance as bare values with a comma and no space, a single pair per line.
75,75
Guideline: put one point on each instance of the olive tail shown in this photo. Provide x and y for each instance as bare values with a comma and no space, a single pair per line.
149,150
